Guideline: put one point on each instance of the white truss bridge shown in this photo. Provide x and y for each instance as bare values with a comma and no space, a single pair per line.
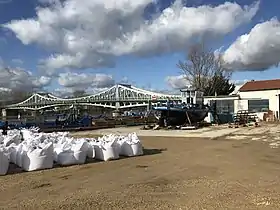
120,96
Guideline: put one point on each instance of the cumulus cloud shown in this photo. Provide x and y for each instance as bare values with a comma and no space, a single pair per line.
180,82
257,50
20,79
66,92
81,81
177,82
92,33
48,1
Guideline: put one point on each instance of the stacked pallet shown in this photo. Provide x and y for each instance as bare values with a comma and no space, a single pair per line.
244,118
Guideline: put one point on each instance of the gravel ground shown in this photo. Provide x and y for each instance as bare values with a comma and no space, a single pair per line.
175,173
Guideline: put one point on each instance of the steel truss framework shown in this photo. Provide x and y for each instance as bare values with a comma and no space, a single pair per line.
117,97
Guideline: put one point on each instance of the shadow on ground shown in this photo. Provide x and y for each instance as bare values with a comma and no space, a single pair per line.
14,169
153,151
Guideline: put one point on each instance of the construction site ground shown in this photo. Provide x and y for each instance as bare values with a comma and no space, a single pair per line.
209,168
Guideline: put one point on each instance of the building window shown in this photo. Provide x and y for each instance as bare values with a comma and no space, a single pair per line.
258,105
224,106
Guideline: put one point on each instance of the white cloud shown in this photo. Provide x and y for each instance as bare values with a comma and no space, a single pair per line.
41,81
238,85
257,50
124,80
20,79
91,33
81,81
239,81
68,92
177,82
180,82
44,2
1,63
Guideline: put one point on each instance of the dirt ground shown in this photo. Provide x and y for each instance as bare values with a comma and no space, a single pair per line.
237,171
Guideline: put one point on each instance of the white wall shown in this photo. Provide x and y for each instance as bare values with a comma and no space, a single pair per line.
207,100
271,95
240,104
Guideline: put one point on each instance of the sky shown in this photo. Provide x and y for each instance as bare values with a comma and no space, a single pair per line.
61,46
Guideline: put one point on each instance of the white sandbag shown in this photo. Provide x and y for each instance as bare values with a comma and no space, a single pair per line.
65,158
131,146
80,152
107,148
19,153
105,152
131,149
11,152
70,157
26,134
13,155
56,151
1,138
4,163
38,159
91,151
9,139
80,157
76,155
60,147
90,148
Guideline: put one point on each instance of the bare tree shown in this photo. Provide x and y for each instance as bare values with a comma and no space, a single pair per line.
204,70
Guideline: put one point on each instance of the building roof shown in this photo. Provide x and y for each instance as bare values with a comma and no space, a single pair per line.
261,85
230,97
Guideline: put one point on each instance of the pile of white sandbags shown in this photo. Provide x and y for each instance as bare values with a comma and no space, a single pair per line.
31,150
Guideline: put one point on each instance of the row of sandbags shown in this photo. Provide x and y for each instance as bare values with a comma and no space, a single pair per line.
31,150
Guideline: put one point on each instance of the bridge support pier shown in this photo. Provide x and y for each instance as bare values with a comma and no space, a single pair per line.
4,113
33,114
116,113
149,106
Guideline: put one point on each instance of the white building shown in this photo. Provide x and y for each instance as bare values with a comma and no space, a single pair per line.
255,96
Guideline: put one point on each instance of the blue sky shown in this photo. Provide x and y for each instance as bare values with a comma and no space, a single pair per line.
149,71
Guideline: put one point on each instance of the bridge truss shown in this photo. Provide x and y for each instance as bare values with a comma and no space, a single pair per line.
117,97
